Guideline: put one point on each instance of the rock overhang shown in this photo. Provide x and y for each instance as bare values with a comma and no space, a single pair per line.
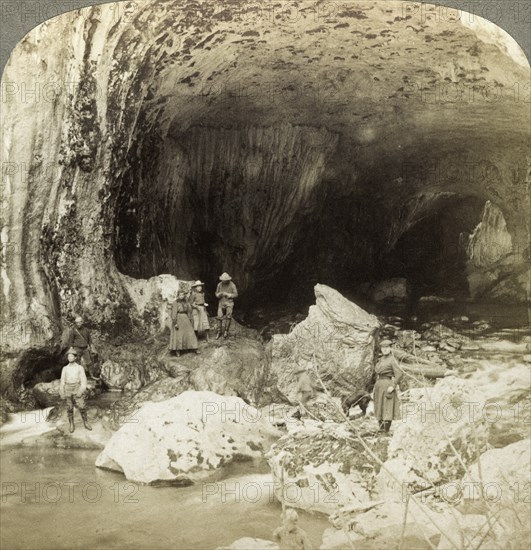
239,131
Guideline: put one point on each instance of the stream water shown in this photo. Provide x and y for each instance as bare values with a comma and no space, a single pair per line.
56,498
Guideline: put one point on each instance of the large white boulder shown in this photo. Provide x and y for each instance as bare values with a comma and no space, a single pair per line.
184,439
504,475
337,339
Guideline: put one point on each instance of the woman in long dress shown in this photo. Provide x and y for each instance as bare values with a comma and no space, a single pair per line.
182,335
199,314
386,400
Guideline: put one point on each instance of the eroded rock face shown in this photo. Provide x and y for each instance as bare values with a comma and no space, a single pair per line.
491,261
148,163
186,438
443,428
336,341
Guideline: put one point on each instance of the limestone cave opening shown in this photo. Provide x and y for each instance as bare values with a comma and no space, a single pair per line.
196,224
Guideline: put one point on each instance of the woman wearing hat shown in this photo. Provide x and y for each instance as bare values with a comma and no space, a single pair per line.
182,335
226,292
386,401
199,314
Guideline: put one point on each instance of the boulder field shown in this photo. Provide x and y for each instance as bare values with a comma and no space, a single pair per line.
460,435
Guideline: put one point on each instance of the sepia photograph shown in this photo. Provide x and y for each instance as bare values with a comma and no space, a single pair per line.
265,275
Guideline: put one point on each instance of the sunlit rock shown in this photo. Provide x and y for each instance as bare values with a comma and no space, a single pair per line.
335,343
185,439
324,467
443,428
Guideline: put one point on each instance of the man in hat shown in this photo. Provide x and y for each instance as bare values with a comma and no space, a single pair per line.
78,337
386,401
226,292
72,387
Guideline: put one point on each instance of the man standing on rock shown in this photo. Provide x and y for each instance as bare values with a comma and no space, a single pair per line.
73,386
78,337
226,292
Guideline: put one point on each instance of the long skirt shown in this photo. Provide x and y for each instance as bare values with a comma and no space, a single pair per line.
184,337
200,318
385,408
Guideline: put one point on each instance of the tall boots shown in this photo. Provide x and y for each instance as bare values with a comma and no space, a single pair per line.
71,420
227,326
85,421
384,426
83,417
220,328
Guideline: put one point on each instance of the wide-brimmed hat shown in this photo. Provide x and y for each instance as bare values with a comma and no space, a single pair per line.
198,283
72,351
385,344
225,277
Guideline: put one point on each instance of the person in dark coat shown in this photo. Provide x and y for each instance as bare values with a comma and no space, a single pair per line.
226,291
182,335
386,400
78,337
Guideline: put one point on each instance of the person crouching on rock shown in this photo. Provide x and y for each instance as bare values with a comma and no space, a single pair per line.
386,401
290,536
72,387
199,314
304,391
226,292
182,335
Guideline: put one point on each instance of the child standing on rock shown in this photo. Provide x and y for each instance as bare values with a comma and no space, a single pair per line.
199,314
290,536
73,386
